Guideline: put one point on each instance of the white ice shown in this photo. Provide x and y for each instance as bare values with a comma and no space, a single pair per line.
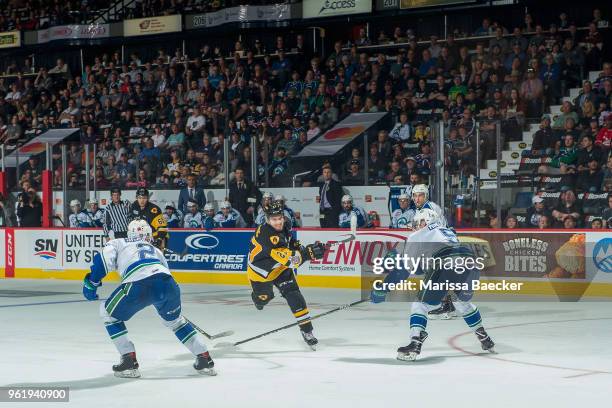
549,354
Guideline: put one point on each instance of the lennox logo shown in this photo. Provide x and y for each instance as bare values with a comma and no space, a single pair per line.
46,248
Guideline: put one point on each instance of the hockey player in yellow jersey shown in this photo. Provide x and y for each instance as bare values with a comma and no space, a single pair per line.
273,255
143,209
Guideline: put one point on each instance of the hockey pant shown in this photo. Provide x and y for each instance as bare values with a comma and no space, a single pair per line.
263,292
159,290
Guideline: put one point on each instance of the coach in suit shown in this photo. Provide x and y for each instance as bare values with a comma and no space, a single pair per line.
330,206
191,192
244,196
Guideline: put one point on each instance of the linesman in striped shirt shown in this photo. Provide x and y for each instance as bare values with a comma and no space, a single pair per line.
116,216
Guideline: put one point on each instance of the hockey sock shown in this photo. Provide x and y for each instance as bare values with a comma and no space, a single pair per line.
118,334
298,306
418,318
470,314
187,335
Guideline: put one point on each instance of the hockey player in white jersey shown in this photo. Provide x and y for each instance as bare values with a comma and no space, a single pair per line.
95,213
145,281
193,218
228,217
402,217
434,241
209,217
420,200
266,201
344,219
79,217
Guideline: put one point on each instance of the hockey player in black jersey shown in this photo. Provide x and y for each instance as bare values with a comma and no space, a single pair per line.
273,254
143,209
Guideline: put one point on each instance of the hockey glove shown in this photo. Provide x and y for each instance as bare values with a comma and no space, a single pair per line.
90,288
378,296
313,251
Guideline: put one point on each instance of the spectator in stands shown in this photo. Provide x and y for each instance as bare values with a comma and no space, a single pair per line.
354,177
511,222
544,222
401,132
29,209
591,180
604,136
568,206
597,223
564,159
589,151
536,211
544,141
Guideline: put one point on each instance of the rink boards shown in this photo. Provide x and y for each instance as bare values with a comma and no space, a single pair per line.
552,262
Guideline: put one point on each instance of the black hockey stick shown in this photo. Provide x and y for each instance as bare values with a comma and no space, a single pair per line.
209,336
346,306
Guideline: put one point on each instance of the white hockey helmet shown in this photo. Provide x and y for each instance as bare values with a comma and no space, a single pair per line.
268,195
403,196
225,204
140,229
347,199
209,207
421,189
280,197
75,203
425,216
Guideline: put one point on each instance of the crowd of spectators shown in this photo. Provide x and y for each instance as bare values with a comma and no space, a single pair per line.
156,123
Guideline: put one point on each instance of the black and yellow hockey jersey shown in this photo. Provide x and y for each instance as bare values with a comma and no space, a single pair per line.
153,215
270,253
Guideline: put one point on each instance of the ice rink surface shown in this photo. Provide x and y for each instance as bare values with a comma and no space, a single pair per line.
549,354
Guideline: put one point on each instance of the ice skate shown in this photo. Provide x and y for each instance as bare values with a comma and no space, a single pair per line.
311,340
446,311
411,351
128,367
485,341
204,364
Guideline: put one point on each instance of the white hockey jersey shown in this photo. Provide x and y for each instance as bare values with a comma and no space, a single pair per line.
432,206
233,219
193,220
81,220
133,259
434,240
402,218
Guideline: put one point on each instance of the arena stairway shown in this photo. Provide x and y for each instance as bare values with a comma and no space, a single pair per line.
511,157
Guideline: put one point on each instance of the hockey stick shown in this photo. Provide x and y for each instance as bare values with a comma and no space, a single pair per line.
209,336
352,235
346,306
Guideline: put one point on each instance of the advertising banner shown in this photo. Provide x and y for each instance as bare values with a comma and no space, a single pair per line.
10,39
409,4
330,8
569,264
209,251
57,249
341,134
152,25
239,14
75,31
